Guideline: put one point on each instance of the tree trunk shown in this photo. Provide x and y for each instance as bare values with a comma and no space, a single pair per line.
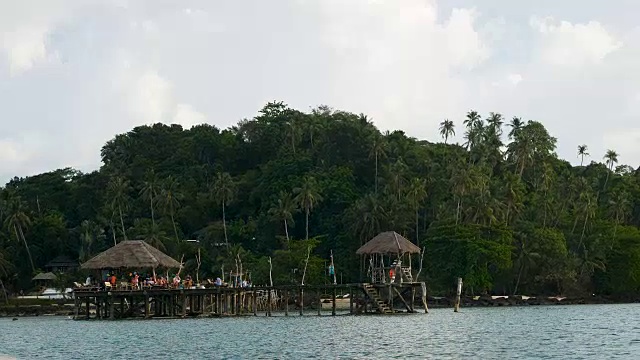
4,291
286,231
515,289
307,223
458,211
175,229
113,232
124,233
153,216
24,240
224,224
606,180
417,226
376,179
584,227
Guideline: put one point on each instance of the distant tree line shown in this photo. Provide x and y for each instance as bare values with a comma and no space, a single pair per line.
500,210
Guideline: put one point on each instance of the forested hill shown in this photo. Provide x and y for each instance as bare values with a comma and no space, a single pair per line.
501,210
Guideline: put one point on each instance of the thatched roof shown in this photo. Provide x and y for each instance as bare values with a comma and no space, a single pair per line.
389,242
62,261
131,254
45,276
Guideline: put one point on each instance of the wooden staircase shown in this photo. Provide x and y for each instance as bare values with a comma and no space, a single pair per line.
407,274
373,294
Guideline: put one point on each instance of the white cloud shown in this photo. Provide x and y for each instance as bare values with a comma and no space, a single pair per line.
626,142
570,44
515,79
152,99
187,116
10,152
25,47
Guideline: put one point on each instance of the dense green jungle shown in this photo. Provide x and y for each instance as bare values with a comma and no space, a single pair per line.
288,188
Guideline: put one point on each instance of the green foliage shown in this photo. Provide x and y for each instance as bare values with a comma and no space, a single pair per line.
500,210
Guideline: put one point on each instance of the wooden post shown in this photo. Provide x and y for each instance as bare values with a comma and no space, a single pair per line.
76,305
254,301
413,298
424,297
319,292
333,305
112,313
184,304
301,297
286,303
351,300
458,293
146,304
87,309
269,302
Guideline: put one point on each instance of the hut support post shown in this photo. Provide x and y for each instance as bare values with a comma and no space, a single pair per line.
112,313
146,305
319,292
413,297
254,301
269,302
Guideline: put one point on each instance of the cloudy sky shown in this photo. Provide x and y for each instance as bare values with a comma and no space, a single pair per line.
73,73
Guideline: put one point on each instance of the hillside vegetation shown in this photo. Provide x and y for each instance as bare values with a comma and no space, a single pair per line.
501,210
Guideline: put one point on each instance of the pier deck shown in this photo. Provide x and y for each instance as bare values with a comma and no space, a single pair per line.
147,303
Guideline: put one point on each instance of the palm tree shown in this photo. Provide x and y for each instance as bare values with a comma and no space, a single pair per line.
149,192
611,158
472,120
366,217
582,152
495,122
307,196
294,133
619,208
169,199
223,191
90,233
156,237
416,194
447,128
16,221
515,125
117,190
378,150
283,211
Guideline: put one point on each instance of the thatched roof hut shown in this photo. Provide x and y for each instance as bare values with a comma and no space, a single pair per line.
131,254
389,242
45,277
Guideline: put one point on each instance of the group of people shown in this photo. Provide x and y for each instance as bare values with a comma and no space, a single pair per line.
173,281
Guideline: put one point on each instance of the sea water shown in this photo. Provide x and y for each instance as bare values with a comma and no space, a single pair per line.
535,332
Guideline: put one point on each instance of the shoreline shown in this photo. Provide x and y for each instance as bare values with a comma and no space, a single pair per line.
17,311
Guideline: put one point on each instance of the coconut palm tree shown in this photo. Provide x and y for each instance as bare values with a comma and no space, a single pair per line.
169,198
516,124
611,158
495,121
472,120
90,233
582,152
149,192
283,211
447,129
223,191
307,196
415,195
366,217
117,190
378,150
16,221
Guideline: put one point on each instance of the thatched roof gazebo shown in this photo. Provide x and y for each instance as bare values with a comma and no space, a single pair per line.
45,277
389,242
131,254
395,248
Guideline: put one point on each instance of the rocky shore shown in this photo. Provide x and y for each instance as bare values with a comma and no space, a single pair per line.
36,310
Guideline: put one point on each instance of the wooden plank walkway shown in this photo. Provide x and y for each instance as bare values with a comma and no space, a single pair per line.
150,303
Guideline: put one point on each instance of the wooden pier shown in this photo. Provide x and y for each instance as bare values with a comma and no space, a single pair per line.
364,298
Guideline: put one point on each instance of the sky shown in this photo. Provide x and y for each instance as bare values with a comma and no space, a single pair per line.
74,73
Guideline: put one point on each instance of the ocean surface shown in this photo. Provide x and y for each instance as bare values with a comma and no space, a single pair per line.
536,332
